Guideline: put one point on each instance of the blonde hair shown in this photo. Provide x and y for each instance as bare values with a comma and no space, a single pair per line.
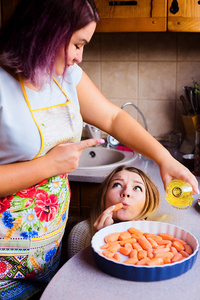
152,197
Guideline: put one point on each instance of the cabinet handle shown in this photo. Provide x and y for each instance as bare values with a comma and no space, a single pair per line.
174,7
118,3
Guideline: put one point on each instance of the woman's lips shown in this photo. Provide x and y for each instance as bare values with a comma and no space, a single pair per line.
125,205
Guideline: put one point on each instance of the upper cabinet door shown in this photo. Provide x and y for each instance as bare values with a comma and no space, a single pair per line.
184,15
124,16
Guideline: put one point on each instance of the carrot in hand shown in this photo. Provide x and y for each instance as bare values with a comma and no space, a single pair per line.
118,206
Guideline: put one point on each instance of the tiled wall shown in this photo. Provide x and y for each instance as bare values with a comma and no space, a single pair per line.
148,69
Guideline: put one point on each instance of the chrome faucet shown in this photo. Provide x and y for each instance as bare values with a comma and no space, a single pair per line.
111,140
93,131
144,120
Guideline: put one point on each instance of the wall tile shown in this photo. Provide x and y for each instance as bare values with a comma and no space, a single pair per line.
157,80
160,116
92,50
119,79
157,46
186,71
119,46
92,69
188,47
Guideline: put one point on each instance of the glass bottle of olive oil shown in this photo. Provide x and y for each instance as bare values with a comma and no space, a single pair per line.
179,194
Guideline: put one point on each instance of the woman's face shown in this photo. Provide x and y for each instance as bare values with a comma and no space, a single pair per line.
75,49
126,187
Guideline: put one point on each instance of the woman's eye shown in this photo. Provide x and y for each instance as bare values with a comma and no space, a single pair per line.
77,47
116,184
137,188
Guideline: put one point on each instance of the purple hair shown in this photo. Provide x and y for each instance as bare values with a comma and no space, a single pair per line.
38,30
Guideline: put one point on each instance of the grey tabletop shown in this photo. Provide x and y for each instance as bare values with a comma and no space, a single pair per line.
80,278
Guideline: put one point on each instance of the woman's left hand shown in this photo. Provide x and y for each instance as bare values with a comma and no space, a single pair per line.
170,169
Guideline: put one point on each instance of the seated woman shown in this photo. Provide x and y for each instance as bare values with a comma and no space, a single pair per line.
127,185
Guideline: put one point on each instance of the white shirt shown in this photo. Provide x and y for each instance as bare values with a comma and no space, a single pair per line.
19,136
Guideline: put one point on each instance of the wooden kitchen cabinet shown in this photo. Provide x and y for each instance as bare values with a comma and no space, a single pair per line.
82,196
124,16
187,18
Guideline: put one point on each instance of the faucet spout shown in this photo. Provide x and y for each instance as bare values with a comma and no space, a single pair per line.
93,131
143,117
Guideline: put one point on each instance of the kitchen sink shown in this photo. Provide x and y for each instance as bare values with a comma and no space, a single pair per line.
100,157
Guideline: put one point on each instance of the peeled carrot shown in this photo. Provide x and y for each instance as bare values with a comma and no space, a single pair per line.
150,253
152,242
142,254
114,247
165,255
178,246
156,261
134,230
124,236
118,206
144,243
113,237
183,253
177,257
117,257
164,242
136,246
166,236
133,253
131,241
106,246
180,241
124,251
188,249
143,261
131,261
153,236
107,254
128,246
161,250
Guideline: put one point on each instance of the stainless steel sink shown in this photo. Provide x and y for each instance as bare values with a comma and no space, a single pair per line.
100,157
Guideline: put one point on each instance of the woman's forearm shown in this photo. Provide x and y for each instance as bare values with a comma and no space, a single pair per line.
130,133
18,176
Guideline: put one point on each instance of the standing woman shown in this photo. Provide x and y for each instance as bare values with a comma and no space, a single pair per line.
42,91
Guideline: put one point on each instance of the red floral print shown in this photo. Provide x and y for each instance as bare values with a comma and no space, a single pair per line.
28,203
64,176
4,203
3,267
30,275
27,193
41,183
46,207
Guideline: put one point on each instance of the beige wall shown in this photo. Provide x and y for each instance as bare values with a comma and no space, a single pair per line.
148,69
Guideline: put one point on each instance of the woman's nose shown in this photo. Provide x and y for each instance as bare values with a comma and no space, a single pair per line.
79,56
125,194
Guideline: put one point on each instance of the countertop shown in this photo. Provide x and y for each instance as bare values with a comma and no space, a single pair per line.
80,279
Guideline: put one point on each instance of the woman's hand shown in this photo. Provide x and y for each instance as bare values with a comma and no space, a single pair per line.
64,158
170,169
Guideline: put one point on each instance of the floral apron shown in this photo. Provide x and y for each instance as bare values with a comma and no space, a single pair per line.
32,221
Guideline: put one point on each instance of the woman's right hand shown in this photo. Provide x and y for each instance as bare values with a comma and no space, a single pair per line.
64,158
105,219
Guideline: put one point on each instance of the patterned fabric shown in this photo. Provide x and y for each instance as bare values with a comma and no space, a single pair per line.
33,221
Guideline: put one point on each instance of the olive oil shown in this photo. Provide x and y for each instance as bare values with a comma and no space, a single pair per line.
179,194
